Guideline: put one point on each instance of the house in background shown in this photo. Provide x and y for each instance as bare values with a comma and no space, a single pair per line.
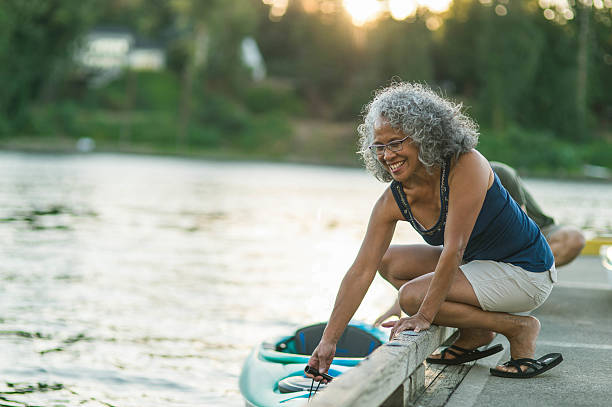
106,52
145,57
106,49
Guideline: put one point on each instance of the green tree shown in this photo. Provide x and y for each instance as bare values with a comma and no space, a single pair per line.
600,71
454,53
492,55
551,102
36,37
402,49
508,55
325,56
212,31
150,19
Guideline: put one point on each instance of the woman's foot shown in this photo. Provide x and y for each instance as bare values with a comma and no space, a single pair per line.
522,336
469,339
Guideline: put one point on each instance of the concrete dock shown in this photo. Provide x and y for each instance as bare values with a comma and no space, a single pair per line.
577,322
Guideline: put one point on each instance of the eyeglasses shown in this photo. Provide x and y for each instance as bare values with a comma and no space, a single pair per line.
394,146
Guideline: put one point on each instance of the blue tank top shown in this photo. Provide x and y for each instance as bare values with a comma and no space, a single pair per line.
502,232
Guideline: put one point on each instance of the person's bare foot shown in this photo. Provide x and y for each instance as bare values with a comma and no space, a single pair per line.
468,339
522,337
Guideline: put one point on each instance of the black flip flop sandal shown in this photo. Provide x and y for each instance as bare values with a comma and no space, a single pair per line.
466,355
534,367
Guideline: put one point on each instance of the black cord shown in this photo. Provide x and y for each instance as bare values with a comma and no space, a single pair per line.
311,386
310,391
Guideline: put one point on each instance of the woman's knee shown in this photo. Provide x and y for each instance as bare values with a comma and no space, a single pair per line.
385,268
410,297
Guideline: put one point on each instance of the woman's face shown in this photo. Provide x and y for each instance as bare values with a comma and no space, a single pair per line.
400,164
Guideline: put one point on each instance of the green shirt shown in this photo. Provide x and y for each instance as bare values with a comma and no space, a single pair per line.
514,185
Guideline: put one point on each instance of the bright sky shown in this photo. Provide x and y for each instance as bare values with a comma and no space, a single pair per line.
364,11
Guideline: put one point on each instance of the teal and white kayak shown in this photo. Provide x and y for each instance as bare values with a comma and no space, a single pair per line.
273,374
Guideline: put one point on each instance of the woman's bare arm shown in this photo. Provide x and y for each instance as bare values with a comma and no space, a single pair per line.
468,182
358,278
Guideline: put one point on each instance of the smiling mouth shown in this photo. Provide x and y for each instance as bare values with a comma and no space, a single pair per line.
395,166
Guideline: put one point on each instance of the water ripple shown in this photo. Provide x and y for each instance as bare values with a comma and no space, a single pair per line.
132,281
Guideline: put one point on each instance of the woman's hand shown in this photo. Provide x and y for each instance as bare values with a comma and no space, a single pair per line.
393,311
322,358
417,323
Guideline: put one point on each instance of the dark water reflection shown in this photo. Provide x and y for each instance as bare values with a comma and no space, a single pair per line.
129,281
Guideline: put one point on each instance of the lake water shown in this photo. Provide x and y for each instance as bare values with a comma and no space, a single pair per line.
133,281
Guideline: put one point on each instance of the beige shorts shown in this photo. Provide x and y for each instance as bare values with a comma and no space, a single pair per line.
504,287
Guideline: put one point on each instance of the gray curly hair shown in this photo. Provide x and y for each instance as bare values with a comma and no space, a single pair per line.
436,125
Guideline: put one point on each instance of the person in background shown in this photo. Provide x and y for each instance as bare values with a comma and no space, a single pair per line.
565,241
485,260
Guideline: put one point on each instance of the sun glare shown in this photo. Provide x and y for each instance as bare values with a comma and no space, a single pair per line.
402,9
436,6
362,11
365,11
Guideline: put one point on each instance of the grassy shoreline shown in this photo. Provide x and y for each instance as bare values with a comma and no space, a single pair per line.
67,145
264,123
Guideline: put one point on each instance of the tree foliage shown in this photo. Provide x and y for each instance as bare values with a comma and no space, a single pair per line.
512,67
37,38
519,67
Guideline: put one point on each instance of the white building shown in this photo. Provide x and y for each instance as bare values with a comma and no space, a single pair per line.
107,52
106,49
147,59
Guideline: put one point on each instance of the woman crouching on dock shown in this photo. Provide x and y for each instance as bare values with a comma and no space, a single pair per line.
485,260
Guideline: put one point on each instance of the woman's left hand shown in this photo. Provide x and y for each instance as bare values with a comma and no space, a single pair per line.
416,322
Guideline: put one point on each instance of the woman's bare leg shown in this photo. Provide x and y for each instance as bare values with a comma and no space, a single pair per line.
404,263
462,310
